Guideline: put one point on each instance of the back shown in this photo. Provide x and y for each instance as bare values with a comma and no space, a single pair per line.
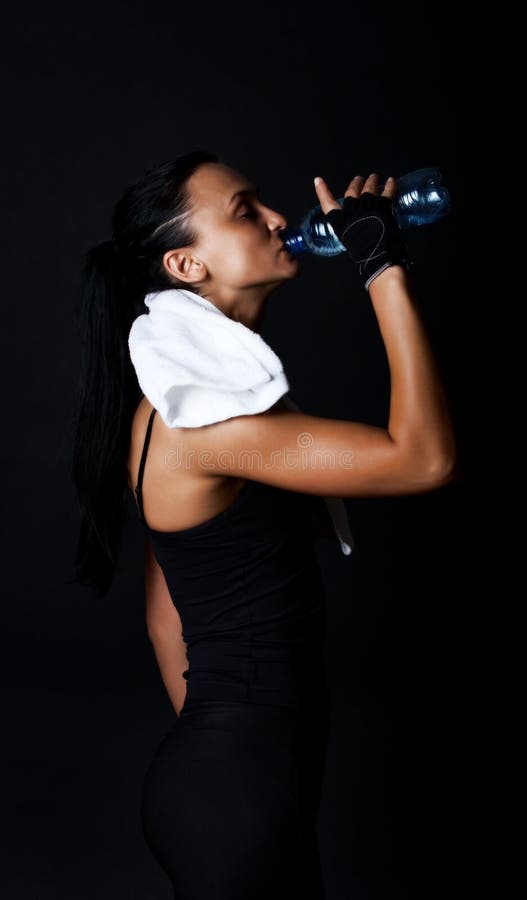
250,596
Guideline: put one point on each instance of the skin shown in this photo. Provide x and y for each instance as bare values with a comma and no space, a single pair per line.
239,258
236,264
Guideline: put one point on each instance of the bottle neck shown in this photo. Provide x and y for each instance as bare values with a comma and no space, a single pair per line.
293,241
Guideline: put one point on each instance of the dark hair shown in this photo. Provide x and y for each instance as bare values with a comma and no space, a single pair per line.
151,217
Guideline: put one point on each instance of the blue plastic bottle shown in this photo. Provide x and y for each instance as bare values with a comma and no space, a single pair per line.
419,200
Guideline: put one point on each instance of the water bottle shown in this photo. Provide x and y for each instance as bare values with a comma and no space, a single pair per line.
420,199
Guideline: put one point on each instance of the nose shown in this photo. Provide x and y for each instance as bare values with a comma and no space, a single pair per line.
275,220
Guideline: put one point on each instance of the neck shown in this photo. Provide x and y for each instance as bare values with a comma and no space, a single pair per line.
247,306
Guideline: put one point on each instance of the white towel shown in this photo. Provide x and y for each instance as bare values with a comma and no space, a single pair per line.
196,365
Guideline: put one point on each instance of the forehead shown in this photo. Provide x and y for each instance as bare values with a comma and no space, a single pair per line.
213,185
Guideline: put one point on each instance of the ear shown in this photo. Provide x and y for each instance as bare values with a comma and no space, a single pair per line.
184,265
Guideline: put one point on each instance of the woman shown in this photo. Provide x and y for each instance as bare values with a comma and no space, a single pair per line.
234,597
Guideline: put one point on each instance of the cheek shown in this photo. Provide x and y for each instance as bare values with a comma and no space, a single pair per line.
236,256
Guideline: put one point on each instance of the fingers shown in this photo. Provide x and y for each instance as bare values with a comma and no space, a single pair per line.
326,198
357,186
390,188
354,187
371,184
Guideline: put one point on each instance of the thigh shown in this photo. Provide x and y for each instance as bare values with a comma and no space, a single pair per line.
227,810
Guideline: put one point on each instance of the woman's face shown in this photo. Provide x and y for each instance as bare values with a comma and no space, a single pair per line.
238,235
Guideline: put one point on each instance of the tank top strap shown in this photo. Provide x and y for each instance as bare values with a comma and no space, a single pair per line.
139,485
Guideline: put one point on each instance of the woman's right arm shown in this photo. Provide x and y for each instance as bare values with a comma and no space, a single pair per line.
333,457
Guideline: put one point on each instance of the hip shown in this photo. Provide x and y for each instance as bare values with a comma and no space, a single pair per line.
237,731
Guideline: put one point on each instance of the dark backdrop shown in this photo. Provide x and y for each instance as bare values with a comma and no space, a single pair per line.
94,95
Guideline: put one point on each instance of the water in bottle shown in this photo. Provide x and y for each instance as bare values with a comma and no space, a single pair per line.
420,199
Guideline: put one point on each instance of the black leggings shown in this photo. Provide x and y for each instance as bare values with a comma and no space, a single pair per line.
230,800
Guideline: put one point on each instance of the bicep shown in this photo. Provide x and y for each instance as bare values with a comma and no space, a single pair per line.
314,455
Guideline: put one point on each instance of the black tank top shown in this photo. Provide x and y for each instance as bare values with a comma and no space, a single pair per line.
250,596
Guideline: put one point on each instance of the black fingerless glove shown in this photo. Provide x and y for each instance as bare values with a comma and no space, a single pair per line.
367,228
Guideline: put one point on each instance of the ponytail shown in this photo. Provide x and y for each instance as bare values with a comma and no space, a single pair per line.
106,380
116,276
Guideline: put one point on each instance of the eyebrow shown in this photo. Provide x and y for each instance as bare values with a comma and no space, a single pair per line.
250,189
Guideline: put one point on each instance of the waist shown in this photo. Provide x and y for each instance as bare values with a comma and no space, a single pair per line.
258,717
280,674
240,730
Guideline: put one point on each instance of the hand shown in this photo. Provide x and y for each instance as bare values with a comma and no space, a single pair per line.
365,225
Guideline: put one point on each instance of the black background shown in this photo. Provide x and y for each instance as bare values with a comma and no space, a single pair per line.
94,95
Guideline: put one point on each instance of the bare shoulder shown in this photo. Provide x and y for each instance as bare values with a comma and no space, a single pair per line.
178,492
137,436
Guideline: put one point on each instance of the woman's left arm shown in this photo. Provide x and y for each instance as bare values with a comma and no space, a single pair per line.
165,630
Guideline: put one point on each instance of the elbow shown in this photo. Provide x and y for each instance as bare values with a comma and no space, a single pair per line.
426,470
441,470
432,462
157,632
442,473
164,633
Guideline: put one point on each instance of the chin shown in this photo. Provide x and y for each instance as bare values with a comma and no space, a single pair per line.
297,269
294,266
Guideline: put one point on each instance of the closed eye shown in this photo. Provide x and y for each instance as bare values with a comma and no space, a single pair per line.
249,211
250,214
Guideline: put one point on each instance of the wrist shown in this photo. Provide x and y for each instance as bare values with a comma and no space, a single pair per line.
393,277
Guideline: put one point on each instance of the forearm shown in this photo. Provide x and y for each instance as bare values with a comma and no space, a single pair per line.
171,666
419,419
